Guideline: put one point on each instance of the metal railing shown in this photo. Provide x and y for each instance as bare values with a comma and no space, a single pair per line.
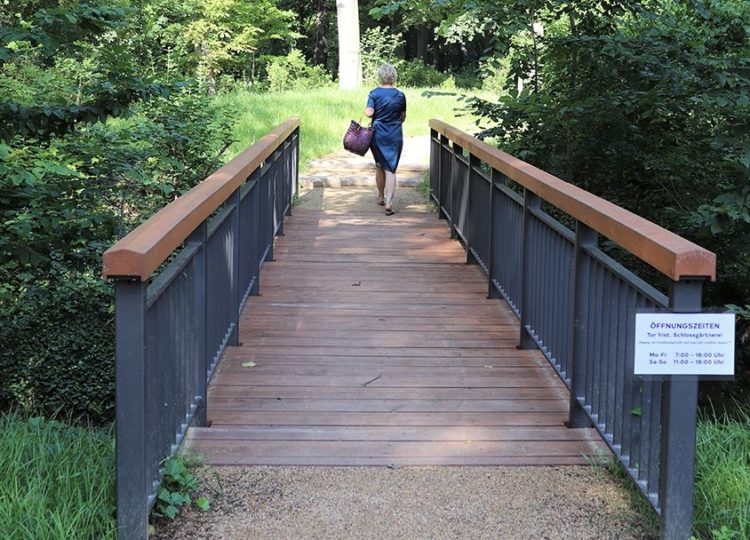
173,319
578,305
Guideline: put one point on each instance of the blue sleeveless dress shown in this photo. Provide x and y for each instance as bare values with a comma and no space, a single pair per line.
388,141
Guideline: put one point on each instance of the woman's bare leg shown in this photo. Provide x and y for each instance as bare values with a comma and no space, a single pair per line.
390,189
380,181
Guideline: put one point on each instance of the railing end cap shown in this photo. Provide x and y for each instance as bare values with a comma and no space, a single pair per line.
123,264
696,263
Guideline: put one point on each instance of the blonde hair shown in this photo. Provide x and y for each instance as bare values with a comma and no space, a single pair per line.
387,74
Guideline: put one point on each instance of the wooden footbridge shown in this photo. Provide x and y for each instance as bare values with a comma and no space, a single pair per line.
493,336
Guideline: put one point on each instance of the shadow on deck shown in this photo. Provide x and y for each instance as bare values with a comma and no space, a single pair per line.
373,343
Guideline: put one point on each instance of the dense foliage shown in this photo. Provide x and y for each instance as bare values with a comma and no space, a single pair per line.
89,147
648,105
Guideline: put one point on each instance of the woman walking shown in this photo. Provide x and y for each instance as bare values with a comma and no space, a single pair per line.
386,106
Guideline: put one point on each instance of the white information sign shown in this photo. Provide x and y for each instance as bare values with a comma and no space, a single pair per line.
684,344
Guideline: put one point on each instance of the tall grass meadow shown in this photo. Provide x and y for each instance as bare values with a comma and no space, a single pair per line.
325,114
57,481
722,476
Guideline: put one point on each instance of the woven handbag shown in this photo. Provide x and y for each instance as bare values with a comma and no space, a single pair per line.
358,138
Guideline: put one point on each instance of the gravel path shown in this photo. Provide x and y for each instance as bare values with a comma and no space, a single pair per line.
553,503
573,503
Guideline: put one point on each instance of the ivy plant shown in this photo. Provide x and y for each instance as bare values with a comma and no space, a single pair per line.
177,489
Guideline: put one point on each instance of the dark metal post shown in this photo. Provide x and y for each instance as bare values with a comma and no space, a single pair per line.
266,208
434,156
200,307
586,237
452,217
289,182
234,282
678,423
495,176
443,142
530,201
130,402
469,224
296,162
277,183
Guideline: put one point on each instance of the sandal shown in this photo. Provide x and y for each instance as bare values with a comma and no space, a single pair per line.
381,202
388,211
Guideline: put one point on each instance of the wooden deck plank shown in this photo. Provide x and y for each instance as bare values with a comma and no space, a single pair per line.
291,418
343,392
396,433
373,343
380,405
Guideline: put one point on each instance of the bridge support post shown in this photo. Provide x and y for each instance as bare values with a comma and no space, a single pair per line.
530,201
585,238
492,292
469,220
443,157
235,297
679,412
130,409
451,199
199,310
278,191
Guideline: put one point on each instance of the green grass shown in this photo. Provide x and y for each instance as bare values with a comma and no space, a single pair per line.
325,114
56,481
722,477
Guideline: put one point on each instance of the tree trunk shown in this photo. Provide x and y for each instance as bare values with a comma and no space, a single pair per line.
350,65
211,81
422,43
574,51
321,26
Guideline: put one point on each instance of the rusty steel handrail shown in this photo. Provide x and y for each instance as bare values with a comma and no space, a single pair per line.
667,252
150,244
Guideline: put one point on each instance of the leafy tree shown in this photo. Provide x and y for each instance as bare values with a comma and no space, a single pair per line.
44,40
225,29
647,105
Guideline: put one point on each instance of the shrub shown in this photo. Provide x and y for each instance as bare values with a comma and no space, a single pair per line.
58,343
379,46
63,203
291,72
417,73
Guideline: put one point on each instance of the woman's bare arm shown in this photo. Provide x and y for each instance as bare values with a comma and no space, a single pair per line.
369,111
